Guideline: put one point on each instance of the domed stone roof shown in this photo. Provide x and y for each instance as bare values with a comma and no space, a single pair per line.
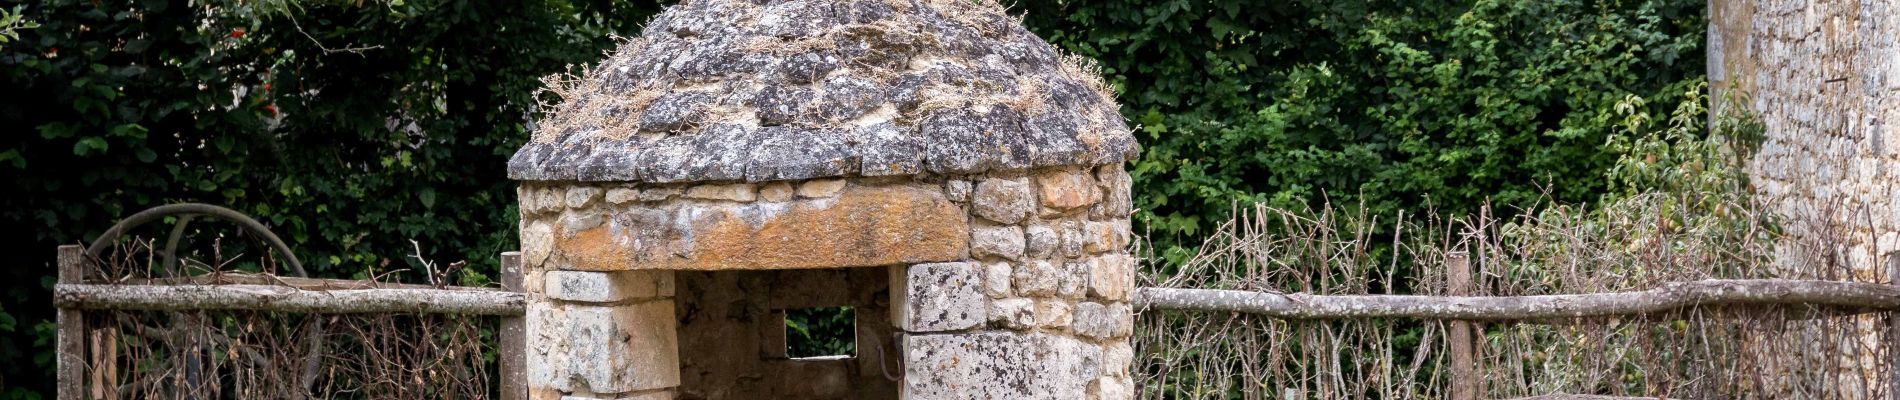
736,90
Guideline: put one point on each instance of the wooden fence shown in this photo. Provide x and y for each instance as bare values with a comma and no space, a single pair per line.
1841,298
74,296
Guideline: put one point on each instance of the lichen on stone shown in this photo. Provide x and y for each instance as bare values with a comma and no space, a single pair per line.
773,90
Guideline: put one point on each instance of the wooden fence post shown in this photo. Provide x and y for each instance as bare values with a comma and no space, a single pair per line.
1462,379
71,350
1893,331
514,337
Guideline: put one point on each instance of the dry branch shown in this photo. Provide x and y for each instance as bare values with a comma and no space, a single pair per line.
1669,297
289,299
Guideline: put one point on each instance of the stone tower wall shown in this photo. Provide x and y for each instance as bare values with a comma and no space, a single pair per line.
1824,77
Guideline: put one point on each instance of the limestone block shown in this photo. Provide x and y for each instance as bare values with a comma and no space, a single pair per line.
820,188
537,241
550,199
740,192
998,365
1116,200
622,195
608,287
1105,236
1054,313
1068,189
1003,200
957,190
657,193
624,348
525,200
1103,321
1074,238
1041,241
1112,388
776,191
1017,313
861,227
1074,280
1036,278
1111,277
653,395
942,297
996,280
1118,359
582,196
998,241
546,326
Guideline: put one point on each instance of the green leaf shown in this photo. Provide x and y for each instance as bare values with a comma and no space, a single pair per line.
89,145
427,195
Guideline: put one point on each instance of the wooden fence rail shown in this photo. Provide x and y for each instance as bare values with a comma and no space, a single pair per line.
73,296
1857,296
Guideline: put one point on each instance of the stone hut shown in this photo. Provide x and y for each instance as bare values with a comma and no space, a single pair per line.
931,164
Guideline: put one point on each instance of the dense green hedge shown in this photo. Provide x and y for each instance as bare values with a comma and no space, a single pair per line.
355,127
1399,105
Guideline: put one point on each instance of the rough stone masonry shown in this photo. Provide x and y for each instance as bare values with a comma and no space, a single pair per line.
930,163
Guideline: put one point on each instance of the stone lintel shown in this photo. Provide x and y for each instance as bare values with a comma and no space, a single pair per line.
860,227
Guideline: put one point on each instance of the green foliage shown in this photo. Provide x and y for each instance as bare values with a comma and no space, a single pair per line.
11,23
814,332
350,128
1397,105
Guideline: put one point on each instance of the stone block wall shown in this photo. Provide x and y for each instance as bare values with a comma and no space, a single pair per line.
1009,284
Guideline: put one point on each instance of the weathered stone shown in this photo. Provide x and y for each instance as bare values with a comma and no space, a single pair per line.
1124,315
776,191
1111,277
847,97
1118,359
1074,239
624,348
621,195
525,200
1101,321
658,193
1067,189
674,111
581,196
607,287
740,192
942,297
546,327
1104,236
957,190
779,105
967,141
996,241
998,365
720,152
1074,281
1112,388
887,149
1042,241
820,188
1092,320
1054,313
537,241
792,152
996,280
1116,201
1036,278
1003,200
1017,313
861,227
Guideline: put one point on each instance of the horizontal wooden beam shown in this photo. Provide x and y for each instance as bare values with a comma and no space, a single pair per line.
475,301
1668,297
